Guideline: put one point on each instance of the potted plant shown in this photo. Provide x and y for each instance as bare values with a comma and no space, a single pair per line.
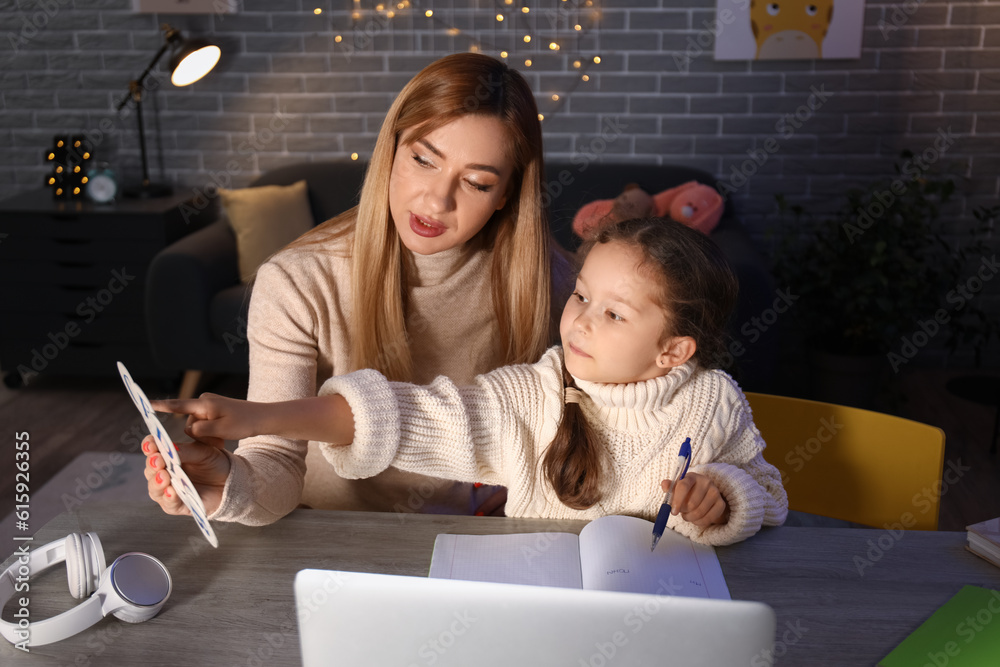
869,275
974,327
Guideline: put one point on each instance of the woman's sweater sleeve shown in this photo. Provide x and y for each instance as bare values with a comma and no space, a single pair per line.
483,432
265,481
751,486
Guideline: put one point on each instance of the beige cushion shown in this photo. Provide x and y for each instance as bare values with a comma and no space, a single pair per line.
265,220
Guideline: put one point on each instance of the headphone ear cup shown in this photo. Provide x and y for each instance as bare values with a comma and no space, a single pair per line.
136,614
76,575
84,563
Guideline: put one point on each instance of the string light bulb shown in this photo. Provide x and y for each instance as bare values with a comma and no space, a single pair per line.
501,17
317,11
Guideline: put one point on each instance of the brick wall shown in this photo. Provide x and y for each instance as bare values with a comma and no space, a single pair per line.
288,91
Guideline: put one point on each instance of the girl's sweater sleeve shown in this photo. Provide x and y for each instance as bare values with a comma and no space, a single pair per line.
751,486
482,432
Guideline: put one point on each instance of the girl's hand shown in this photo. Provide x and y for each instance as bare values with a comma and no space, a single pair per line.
698,500
205,464
214,416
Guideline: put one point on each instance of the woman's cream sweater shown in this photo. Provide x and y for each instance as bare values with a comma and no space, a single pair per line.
299,334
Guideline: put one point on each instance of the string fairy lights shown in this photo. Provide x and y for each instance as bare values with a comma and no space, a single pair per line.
536,35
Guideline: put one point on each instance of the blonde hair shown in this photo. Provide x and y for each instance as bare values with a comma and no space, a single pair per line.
517,234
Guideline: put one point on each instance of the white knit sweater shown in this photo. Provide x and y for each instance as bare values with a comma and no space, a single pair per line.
496,431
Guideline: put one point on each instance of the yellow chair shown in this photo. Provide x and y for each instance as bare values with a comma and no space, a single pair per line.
853,464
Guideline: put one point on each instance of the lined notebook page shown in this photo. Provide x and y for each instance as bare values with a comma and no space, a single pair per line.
540,559
615,556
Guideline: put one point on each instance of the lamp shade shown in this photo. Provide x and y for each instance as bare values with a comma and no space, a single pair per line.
193,60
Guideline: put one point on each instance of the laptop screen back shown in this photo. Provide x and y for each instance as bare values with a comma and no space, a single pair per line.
350,618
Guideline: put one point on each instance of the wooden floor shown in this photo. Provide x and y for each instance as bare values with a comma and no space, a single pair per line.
65,417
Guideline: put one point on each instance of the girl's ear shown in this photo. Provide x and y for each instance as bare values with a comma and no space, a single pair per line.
676,351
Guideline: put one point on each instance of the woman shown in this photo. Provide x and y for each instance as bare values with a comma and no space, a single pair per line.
445,267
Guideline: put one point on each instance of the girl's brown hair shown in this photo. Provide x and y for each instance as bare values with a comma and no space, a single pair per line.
697,290
518,234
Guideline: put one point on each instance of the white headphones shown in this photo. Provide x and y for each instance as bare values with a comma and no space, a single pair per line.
134,588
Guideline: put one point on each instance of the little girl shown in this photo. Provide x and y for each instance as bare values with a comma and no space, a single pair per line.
591,429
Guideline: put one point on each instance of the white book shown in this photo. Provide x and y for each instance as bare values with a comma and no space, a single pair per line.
984,540
611,553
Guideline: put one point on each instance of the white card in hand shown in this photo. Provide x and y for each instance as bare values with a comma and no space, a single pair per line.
178,478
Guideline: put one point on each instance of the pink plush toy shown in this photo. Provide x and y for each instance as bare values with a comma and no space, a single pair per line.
696,205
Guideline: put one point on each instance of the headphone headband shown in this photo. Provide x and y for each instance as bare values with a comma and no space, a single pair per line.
134,588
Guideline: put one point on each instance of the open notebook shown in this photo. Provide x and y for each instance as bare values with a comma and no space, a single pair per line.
611,553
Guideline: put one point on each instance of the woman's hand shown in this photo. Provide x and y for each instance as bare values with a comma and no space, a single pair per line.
206,465
494,505
698,500
214,416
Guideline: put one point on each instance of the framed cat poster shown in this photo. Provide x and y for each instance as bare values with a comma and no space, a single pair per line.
788,29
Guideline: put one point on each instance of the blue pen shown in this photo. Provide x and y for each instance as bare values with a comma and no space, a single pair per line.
683,462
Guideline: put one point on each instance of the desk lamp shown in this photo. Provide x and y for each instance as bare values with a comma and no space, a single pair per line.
191,60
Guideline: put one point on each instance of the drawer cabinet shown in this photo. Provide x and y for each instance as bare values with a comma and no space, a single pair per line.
73,282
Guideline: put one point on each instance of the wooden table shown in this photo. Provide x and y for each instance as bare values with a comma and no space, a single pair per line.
842,596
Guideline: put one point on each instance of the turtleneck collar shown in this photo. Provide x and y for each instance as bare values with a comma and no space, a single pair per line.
430,270
633,406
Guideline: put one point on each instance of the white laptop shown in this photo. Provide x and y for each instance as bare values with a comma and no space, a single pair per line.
351,618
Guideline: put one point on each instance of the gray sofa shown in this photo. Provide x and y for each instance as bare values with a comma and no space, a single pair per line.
196,306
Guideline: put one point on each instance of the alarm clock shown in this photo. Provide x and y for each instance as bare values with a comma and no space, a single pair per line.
102,185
